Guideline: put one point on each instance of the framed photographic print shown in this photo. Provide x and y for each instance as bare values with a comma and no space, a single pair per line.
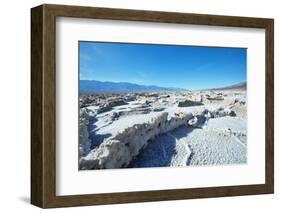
136,106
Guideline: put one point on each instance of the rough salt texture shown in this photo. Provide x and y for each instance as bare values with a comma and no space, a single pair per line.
152,130
84,141
119,150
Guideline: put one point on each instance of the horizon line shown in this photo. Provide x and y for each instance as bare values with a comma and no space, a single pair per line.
209,88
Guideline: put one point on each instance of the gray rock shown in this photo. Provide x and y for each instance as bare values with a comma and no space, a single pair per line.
216,98
188,103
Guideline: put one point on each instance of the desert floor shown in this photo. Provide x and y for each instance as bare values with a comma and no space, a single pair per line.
162,129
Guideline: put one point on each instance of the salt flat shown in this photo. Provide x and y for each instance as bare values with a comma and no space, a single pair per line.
156,129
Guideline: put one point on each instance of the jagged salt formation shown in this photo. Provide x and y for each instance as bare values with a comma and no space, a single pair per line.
119,150
84,141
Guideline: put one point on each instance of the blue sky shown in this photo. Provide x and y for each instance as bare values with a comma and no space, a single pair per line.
188,67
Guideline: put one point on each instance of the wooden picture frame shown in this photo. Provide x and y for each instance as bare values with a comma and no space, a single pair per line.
43,105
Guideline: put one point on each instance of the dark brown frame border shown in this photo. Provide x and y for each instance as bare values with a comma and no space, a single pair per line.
43,105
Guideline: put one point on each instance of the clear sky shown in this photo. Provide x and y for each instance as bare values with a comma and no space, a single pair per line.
188,67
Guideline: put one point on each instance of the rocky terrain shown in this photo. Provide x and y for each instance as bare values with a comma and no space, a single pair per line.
156,129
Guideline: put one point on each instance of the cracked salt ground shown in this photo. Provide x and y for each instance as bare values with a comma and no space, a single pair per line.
183,153
164,151
212,145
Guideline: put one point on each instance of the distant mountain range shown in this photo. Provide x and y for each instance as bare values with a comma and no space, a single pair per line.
93,86
240,86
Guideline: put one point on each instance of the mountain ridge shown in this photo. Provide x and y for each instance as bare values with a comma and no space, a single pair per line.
94,86
238,86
